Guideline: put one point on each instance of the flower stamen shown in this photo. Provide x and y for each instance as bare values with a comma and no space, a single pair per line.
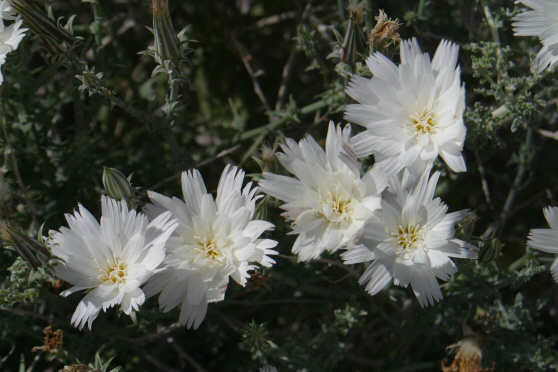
424,122
209,249
115,273
408,237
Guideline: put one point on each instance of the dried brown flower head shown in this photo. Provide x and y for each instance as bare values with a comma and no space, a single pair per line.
257,281
469,353
384,33
52,342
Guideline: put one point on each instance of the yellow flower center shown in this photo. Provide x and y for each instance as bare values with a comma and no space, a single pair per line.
424,121
115,273
338,203
209,249
407,237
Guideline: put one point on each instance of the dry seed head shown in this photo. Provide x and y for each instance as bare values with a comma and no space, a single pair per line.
160,6
355,9
469,353
384,33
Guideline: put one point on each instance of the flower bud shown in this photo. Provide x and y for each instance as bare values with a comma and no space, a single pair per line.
490,251
56,38
465,227
166,45
117,185
28,248
90,80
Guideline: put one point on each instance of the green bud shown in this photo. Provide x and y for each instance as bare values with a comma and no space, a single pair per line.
166,44
466,226
117,185
90,80
57,39
29,249
490,251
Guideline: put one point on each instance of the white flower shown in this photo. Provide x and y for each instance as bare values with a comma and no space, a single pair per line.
10,37
6,11
2,60
111,259
328,201
546,240
215,240
412,241
412,112
541,21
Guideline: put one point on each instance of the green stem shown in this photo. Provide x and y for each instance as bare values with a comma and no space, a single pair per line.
97,27
176,151
491,23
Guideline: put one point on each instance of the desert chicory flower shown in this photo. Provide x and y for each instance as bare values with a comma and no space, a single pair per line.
6,11
328,201
112,258
412,112
215,239
541,21
10,37
411,241
546,240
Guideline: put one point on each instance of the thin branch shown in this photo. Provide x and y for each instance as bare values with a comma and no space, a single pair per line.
282,93
154,336
3,360
185,355
18,176
485,189
517,184
156,362
34,362
200,164
244,56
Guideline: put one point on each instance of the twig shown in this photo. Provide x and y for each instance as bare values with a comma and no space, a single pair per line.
34,362
156,362
200,164
3,360
282,93
515,187
32,314
548,134
219,155
274,302
268,21
244,56
153,336
185,355
483,181
18,176
353,273
365,361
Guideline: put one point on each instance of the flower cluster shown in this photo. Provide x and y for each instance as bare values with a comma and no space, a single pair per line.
329,202
412,113
187,251
10,35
